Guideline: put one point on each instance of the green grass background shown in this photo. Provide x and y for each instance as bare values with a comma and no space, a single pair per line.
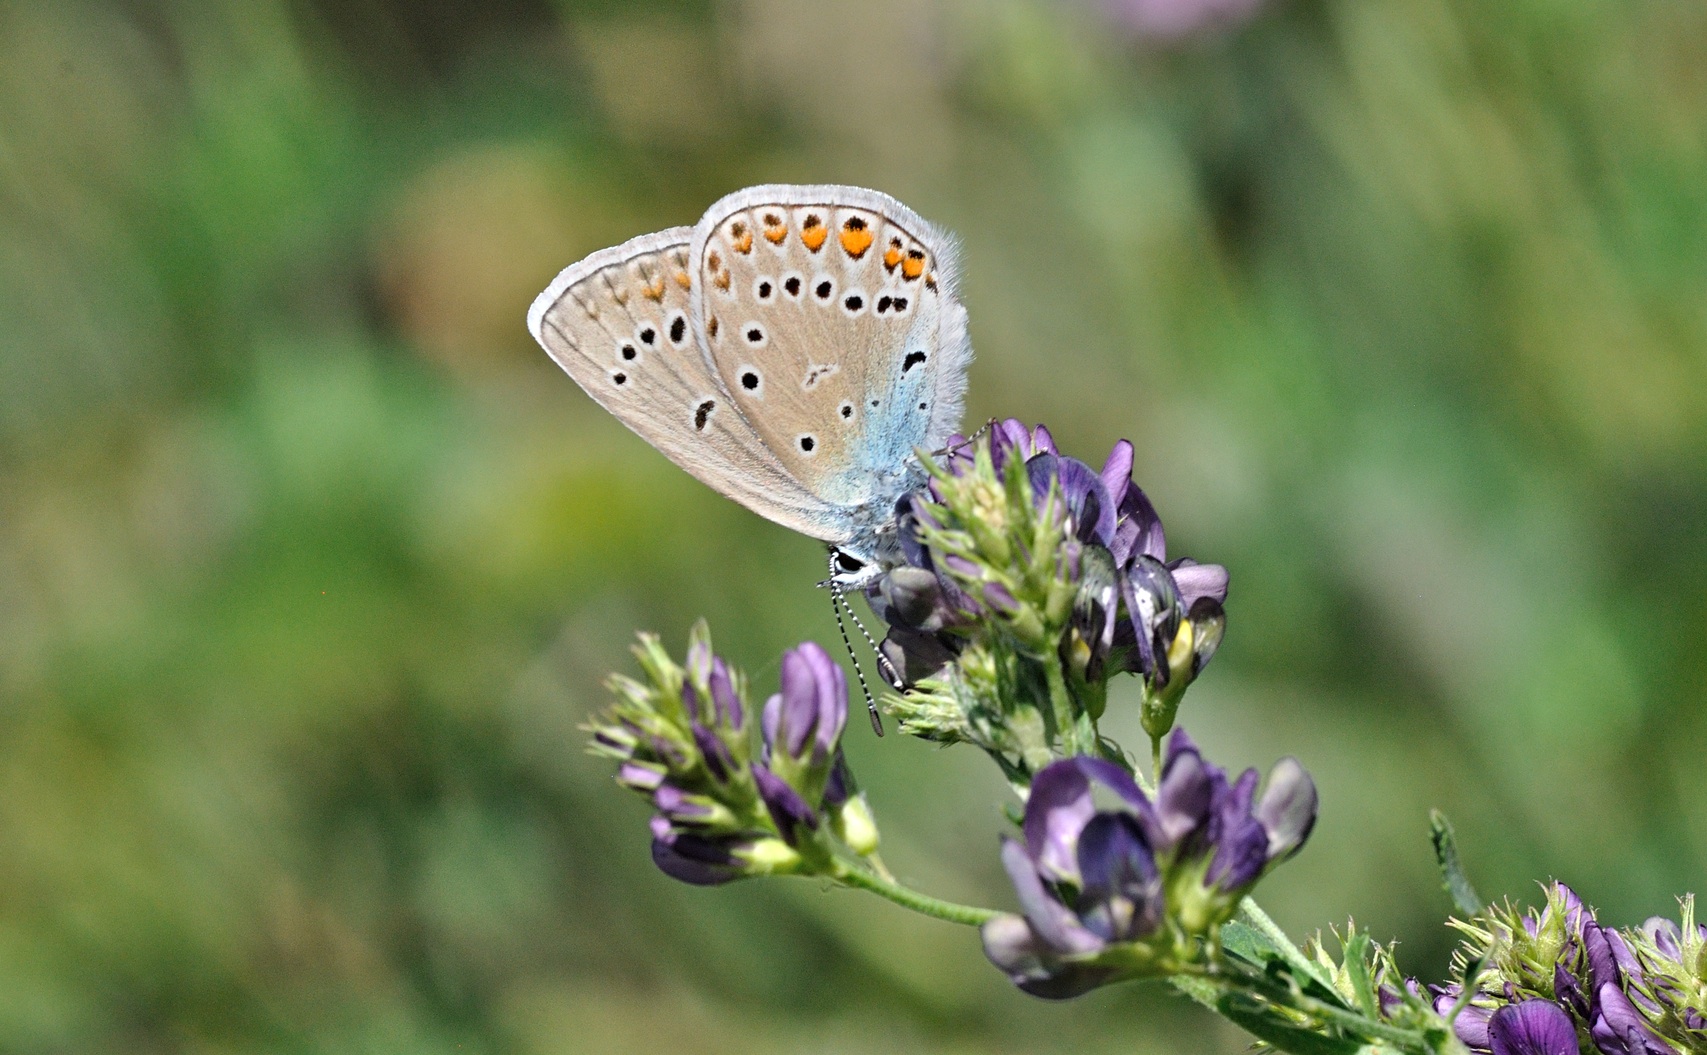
311,563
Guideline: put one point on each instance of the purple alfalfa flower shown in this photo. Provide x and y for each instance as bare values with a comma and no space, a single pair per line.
1089,892
1216,836
803,722
1532,1027
1096,885
1656,1001
1672,973
1470,1024
1620,1028
683,739
804,778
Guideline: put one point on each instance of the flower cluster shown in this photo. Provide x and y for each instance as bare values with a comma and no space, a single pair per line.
1030,580
1140,889
726,810
1556,982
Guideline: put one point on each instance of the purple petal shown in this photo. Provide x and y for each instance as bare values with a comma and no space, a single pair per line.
692,858
1014,947
1117,472
1665,935
1208,626
678,806
1471,1025
1603,966
1534,1027
1620,1029
729,710
1569,991
1146,537
1052,921
639,776
1183,797
814,703
1241,852
1000,599
791,813
699,660
1287,808
1194,580
1087,503
1060,804
1055,812
798,716
1121,898
1041,440
714,751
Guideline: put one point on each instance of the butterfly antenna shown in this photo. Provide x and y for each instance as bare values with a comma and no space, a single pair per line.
837,600
968,441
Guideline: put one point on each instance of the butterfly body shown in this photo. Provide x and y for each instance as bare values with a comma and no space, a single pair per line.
793,350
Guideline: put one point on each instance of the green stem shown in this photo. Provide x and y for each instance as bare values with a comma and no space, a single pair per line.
1061,705
971,915
1285,996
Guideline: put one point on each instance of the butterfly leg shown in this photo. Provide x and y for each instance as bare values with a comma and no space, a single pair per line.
838,599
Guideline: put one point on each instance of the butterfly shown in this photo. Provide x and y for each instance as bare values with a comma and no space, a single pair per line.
793,350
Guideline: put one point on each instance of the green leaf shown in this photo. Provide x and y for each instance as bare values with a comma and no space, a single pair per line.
1250,943
1458,888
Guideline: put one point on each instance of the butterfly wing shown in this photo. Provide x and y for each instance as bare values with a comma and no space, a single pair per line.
829,316
618,323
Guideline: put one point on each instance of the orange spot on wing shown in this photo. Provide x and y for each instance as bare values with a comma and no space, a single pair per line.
740,237
892,255
813,232
721,280
683,280
930,282
856,237
655,289
775,229
914,265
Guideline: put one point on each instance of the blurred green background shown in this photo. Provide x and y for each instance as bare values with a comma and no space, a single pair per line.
311,563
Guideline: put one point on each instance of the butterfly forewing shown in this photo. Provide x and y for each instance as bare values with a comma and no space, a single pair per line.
619,323
828,316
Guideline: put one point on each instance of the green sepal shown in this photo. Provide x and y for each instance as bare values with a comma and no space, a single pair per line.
1357,973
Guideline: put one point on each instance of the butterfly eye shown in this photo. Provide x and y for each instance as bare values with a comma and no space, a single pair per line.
847,563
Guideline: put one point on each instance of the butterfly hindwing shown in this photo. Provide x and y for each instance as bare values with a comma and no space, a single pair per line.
828,315
619,323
